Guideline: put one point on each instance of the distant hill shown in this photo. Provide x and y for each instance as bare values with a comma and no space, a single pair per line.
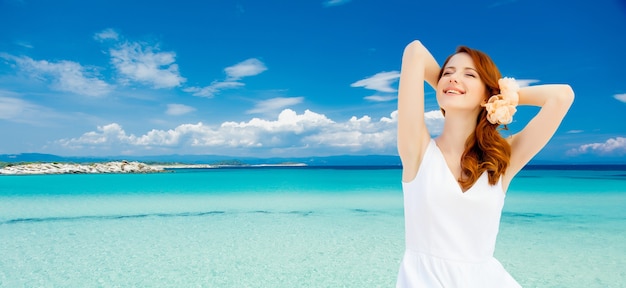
342,160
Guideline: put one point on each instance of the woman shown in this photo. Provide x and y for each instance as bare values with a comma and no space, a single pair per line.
454,186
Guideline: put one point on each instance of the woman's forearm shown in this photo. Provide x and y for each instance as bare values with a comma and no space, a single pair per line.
416,52
540,95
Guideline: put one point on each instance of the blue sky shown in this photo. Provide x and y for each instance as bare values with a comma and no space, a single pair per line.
286,78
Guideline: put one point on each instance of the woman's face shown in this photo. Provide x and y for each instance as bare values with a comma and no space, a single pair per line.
460,86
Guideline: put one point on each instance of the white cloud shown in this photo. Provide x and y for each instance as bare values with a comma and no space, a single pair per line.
612,146
107,133
254,133
106,34
380,82
620,97
141,62
145,64
24,44
213,89
169,137
63,75
434,122
249,67
12,108
308,133
274,104
288,121
178,109
526,82
331,3
379,98
358,134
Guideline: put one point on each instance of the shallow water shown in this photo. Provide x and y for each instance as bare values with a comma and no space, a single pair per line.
287,227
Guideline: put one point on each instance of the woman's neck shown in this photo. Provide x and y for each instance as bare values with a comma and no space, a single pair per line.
455,133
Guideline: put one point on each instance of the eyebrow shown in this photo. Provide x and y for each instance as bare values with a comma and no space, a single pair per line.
454,68
466,68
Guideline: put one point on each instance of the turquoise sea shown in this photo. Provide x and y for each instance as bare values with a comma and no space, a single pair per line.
288,227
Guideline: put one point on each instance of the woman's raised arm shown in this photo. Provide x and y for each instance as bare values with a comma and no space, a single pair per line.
418,66
554,100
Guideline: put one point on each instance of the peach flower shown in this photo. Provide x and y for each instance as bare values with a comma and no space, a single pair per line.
509,90
501,108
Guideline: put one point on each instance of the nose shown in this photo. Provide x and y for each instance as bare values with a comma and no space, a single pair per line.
452,78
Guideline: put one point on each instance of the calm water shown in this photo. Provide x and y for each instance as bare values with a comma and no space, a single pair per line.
287,227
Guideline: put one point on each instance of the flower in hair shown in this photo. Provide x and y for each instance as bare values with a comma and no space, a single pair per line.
509,89
500,108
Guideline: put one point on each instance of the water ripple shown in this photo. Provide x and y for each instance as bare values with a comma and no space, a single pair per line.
136,216
108,217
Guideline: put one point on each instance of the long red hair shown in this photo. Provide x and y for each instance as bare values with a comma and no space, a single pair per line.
485,149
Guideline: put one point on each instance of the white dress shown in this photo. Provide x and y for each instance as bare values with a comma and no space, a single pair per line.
450,235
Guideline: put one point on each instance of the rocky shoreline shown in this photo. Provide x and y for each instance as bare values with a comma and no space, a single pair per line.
70,168
117,167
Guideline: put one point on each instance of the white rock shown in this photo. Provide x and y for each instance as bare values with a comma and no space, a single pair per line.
67,168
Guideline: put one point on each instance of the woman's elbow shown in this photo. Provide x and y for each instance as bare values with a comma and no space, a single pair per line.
566,95
569,92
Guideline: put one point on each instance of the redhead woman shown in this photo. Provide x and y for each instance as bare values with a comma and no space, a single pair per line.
454,185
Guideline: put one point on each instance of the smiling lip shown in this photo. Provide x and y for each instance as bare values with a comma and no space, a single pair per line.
453,91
